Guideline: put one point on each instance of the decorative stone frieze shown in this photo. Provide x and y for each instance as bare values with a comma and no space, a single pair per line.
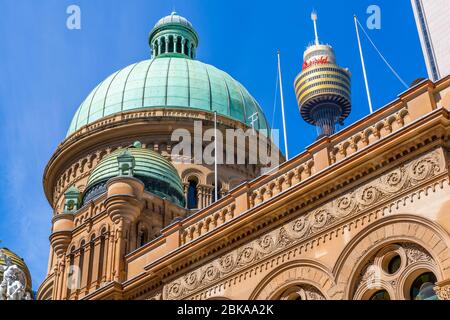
402,178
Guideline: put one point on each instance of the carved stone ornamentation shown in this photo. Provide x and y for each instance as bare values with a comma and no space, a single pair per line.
355,201
443,292
415,253
372,275
13,285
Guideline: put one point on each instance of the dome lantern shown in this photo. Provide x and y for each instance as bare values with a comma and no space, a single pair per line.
173,36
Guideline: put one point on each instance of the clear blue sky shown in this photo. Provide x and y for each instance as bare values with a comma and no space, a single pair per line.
46,71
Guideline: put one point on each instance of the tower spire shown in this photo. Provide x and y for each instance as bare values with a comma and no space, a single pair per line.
314,19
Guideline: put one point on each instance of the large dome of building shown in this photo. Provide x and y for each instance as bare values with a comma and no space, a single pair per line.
172,79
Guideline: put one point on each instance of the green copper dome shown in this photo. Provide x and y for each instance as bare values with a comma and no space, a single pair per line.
169,82
158,175
172,79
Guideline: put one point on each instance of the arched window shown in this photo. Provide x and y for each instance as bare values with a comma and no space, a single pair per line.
101,261
91,259
171,44
163,45
380,295
179,44
422,287
379,277
192,194
155,48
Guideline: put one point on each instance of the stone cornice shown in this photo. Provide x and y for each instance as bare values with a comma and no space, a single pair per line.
122,127
387,148
329,216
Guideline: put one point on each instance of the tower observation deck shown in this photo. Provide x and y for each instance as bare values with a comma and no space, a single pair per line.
322,88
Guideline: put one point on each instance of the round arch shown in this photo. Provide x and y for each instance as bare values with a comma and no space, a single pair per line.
191,173
390,230
306,272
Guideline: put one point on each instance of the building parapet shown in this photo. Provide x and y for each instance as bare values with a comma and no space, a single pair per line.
410,107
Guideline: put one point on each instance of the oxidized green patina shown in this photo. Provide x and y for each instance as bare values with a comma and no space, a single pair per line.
158,175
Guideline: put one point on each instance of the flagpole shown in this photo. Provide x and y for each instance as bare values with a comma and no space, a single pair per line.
282,107
363,65
215,156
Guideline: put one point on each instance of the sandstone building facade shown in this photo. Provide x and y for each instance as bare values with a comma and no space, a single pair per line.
360,214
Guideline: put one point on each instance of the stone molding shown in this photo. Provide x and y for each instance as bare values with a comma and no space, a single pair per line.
443,290
360,199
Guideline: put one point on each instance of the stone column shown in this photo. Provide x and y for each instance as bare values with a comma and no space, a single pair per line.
76,263
60,239
110,256
183,42
175,41
62,276
95,262
56,283
85,271
124,204
66,275
167,44
199,197
105,259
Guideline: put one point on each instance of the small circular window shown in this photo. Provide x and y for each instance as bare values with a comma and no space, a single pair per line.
394,264
380,295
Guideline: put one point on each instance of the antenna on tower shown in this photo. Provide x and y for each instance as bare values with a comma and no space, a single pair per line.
314,19
280,77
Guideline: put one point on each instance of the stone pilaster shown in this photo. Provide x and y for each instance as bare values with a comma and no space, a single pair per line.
124,205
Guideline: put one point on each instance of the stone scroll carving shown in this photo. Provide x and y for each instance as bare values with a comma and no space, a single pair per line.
363,197
443,292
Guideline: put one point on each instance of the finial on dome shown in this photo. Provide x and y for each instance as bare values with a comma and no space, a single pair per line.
137,144
314,19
